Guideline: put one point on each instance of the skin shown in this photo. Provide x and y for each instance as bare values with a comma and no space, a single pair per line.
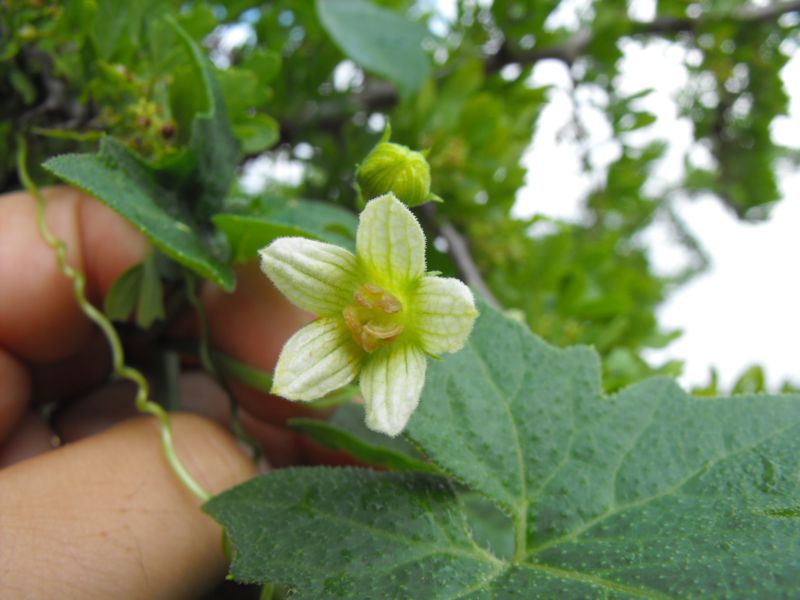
103,516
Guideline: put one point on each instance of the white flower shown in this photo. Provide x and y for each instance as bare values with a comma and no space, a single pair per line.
378,314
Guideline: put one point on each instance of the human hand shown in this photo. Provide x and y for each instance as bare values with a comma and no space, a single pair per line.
105,516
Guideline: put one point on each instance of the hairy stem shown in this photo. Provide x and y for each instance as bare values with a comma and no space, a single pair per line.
458,249
210,365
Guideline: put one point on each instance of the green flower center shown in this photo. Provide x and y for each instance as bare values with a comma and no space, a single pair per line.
375,318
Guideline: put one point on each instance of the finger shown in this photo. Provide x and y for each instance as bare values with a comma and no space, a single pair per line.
30,438
106,517
252,325
97,411
74,376
199,393
14,391
99,243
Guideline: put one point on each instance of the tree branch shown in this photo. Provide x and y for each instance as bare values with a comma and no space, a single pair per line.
458,249
382,96
576,46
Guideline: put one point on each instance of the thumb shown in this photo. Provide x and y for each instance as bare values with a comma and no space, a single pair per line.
107,518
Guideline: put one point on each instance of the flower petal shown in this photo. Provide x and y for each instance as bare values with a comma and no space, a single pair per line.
318,359
315,276
390,241
444,313
391,383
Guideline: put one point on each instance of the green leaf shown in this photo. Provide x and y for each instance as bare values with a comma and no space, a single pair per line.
379,40
213,152
139,286
256,133
247,234
198,21
151,294
121,298
345,430
23,86
265,63
119,178
483,408
243,373
352,533
648,493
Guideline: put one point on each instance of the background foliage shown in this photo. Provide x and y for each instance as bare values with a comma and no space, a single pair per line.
312,85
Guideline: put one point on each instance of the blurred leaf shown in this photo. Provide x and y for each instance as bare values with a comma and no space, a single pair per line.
244,373
122,296
256,133
197,20
266,64
151,294
140,287
752,381
248,233
377,39
209,162
345,431
23,86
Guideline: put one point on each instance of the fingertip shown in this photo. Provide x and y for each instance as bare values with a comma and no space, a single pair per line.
113,245
142,533
15,386
99,243
51,327
30,438
210,453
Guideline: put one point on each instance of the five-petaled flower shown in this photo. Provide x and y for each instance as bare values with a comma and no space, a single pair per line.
378,313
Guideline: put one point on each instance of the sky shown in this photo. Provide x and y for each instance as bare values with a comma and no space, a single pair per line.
744,309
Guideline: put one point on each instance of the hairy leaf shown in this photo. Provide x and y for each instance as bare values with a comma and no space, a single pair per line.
351,533
649,493
121,180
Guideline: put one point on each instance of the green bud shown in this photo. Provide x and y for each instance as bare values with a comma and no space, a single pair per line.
398,169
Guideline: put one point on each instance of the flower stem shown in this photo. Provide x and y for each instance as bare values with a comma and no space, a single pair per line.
210,365
143,404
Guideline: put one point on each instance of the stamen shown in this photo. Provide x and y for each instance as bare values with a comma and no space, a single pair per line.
374,319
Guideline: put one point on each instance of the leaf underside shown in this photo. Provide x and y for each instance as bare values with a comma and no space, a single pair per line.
649,493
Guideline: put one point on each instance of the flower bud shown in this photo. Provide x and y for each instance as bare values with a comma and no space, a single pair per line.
394,168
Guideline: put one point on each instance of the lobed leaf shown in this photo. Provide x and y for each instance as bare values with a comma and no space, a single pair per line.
351,533
649,493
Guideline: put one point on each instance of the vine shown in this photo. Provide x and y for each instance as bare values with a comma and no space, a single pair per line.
121,370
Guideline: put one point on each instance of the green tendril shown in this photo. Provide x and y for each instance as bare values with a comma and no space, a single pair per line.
143,404
210,365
